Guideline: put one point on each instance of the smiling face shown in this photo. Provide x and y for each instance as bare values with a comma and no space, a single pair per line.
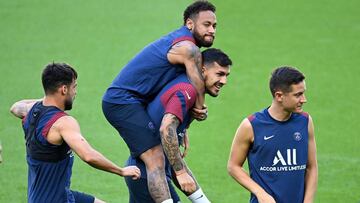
203,28
293,101
215,77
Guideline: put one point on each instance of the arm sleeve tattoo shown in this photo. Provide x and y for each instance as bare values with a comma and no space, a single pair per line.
170,142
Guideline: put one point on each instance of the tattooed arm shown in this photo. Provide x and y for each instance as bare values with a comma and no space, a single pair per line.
170,145
21,108
188,54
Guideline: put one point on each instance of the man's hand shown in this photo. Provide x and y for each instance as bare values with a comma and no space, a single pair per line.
185,181
265,198
131,171
200,114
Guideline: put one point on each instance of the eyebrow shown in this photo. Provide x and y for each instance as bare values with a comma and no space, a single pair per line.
220,71
300,92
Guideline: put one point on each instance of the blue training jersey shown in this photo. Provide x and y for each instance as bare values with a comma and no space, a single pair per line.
278,157
177,98
144,76
49,166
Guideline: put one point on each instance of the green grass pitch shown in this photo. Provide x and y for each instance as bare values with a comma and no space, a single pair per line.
98,37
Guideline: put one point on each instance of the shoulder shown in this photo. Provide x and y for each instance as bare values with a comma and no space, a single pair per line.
310,123
184,84
66,121
182,34
245,131
305,116
245,127
257,116
246,123
185,48
250,118
187,89
180,83
187,45
182,89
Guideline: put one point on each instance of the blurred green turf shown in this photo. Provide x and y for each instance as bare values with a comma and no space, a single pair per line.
99,37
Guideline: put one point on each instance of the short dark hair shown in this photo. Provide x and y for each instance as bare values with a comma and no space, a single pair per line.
283,77
57,74
212,55
195,8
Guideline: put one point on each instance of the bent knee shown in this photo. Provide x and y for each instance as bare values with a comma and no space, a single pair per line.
153,157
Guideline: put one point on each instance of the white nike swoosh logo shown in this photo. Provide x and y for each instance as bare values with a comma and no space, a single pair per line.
266,138
187,94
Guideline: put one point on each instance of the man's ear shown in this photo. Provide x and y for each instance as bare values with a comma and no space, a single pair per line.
279,96
189,24
64,89
203,71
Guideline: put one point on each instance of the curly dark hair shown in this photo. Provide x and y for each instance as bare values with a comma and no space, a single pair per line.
56,74
193,10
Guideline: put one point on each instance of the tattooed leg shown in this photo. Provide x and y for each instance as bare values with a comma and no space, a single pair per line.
155,167
158,186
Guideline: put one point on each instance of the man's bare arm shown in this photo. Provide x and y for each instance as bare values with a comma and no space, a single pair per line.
21,108
311,176
188,54
69,130
240,147
170,145
170,142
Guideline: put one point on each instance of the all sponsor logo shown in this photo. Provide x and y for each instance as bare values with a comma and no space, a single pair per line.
286,161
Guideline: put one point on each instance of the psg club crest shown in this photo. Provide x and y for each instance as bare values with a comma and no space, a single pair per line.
297,136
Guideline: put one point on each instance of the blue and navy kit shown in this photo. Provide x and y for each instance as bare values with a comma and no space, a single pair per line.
278,157
148,72
177,98
49,165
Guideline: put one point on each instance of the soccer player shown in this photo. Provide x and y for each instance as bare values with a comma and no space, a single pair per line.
170,112
51,135
124,102
279,144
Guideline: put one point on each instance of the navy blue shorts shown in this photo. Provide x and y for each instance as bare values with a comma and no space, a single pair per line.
139,191
82,197
134,125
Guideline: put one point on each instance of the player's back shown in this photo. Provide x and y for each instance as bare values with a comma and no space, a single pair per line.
49,165
144,76
278,157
